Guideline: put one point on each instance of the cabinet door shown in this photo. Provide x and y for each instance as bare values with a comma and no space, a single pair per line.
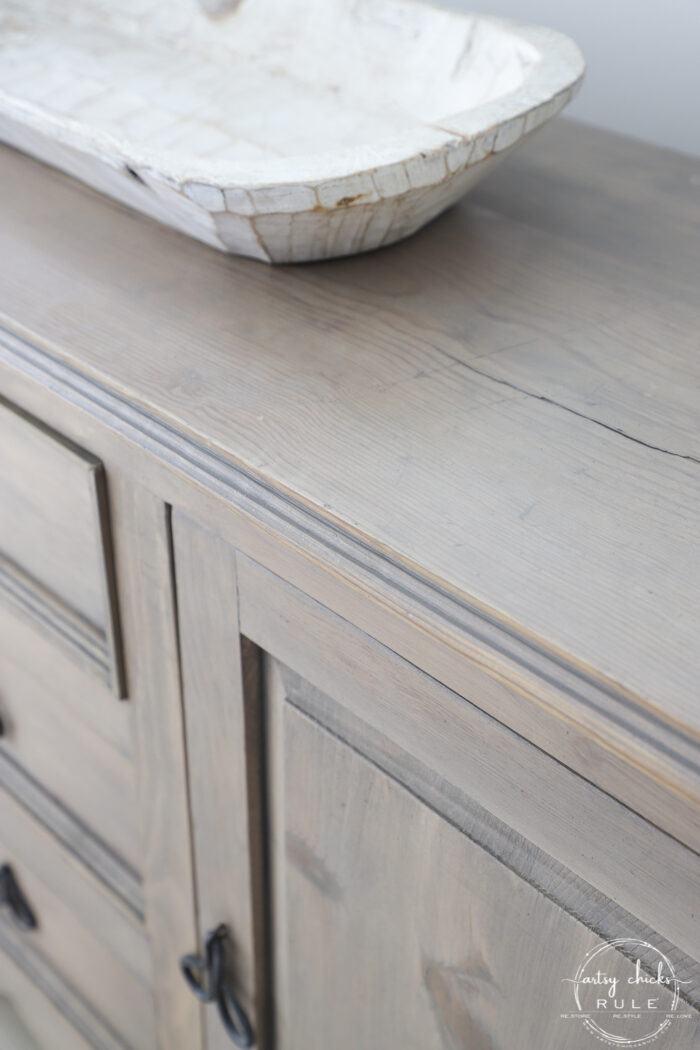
374,901
393,929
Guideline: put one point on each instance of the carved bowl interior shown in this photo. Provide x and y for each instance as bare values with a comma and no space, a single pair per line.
283,129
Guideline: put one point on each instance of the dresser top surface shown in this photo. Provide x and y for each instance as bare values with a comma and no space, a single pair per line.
508,403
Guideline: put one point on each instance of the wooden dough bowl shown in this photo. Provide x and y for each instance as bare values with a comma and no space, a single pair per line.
286,130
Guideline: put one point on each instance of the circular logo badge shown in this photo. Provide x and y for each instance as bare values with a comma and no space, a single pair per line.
626,992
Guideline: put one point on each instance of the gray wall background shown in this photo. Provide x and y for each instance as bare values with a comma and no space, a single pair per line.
643,57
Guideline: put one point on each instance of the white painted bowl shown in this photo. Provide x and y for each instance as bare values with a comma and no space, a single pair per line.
287,130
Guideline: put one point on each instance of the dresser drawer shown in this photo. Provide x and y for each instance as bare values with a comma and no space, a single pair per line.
55,549
69,735
28,1019
92,940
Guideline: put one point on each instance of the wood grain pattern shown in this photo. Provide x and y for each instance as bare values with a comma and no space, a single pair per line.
580,719
66,731
83,757
47,525
67,829
598,912
480,448
224,752
438,742
67,629
88,938
67,999
365,965
285,371
26,842
55,541
47,1027
144,569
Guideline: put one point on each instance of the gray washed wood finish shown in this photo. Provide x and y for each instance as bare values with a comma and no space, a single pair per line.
81,932
362,963
144,560
96,815
537,355
54,516
403,548
223,754
33,848
41,1018
68,732
448,751
47,524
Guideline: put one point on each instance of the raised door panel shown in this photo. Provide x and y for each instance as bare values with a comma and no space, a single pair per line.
431,877
393,929
495,785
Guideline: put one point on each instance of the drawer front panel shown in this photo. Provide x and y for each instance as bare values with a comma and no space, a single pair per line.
28,1019
68,737
83,932
55,549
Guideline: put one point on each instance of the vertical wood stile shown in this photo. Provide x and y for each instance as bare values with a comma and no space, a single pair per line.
144,562
220,689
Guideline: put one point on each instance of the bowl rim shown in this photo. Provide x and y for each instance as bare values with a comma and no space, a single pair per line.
457,141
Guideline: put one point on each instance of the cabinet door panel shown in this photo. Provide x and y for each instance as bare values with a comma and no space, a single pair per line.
393,929
410,907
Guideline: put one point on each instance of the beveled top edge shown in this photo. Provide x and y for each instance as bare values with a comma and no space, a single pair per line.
592,690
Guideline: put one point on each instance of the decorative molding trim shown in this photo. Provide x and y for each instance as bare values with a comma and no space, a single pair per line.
548,876
17,945
74,836
82,641
573,694
99,651
112,638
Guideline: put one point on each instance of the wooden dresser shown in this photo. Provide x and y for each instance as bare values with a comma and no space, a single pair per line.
350,622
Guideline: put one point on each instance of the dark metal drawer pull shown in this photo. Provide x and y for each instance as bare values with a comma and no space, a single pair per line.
206,979
12,896
203,973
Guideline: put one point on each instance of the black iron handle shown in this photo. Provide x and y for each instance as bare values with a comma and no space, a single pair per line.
12,896
206,978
